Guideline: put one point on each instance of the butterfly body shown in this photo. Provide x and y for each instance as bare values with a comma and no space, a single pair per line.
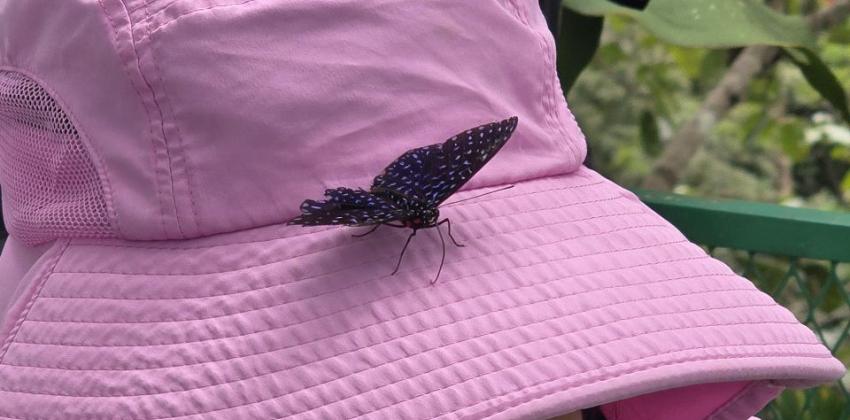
408,192
415,213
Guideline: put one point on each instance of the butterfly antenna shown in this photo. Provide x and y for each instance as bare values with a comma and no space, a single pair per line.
398,264
480,195
443,260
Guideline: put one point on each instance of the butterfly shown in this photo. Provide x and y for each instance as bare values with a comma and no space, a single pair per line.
408,192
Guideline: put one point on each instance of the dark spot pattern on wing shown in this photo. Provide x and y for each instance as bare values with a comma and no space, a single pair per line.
432,173
346,206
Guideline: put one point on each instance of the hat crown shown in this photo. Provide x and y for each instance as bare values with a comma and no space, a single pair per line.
208,116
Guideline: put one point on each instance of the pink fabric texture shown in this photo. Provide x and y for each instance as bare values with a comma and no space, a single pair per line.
207,122
51,188
15,261
695,402
569,293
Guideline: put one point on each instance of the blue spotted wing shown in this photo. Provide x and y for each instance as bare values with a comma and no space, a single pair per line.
346,206
421,178
432,173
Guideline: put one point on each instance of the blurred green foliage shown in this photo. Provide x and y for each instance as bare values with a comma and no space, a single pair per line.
783,142
709,23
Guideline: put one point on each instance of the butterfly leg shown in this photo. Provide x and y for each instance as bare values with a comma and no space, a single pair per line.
449,222
398,264
443,259
360,235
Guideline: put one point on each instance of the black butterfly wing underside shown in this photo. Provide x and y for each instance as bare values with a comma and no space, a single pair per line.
346,206
431,174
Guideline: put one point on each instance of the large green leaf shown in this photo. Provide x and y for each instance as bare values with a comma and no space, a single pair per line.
724,24
579,35
709,23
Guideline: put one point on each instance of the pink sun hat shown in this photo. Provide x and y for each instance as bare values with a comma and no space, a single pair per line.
152,151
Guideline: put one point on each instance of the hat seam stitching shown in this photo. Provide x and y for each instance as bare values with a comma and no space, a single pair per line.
260,288
412,314
470,359
324,274
550,73
180,149
673,279
124,64
547,96
134,61
552,101
376,301
547,179
274,329
263,308
25,311
812,355
292,257
160,108
162,176
335,227
764,371
602,379
780,354
349,244
174,19
158,10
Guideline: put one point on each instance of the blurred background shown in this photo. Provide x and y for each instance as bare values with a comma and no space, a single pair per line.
687,102
780,140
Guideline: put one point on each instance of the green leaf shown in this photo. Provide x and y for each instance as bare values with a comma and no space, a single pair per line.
722,23
709,23
650,140
579,35
821,78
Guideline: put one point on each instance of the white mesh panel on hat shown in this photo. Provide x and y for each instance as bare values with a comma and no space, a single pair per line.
50,186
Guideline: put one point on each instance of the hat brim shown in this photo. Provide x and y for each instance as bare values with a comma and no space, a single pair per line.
569,293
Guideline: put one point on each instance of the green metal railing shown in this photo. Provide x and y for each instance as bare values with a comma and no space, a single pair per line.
801,257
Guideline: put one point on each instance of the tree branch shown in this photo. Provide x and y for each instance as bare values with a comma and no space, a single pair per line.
830,16
673,161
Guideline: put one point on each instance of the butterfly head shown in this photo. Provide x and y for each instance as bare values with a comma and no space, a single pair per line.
422,219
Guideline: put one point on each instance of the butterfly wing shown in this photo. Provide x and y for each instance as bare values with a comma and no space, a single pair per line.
346,206
433,173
